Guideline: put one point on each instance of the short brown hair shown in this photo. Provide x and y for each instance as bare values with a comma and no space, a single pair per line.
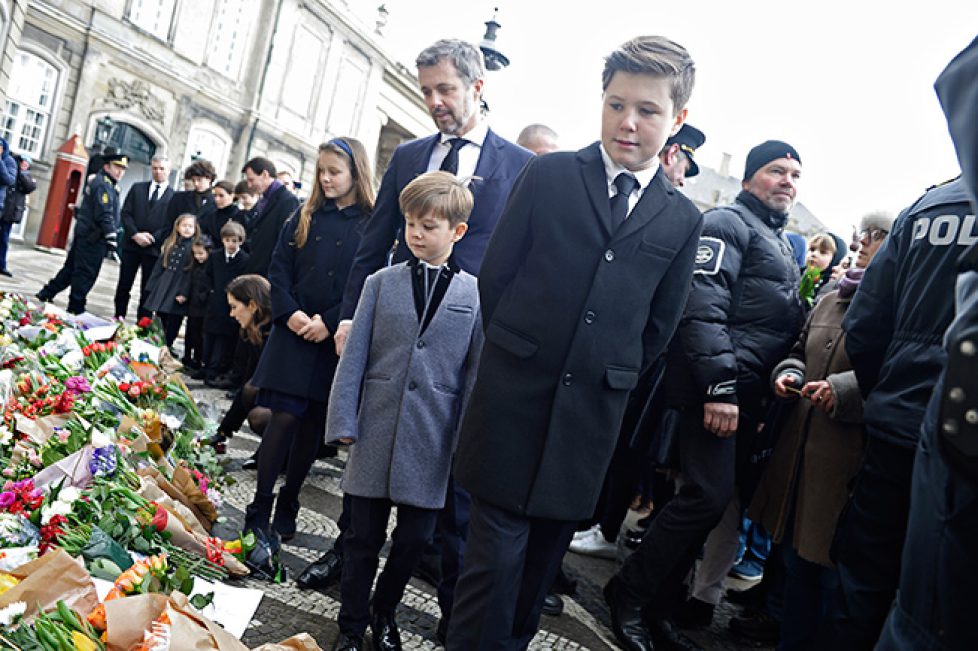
243,188
656,56
233,229
440,193
202,168
226,185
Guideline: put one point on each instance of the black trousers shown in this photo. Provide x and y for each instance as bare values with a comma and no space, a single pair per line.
362,543
868,544
171,326
134,261
654,574
218,349
80,271
510,564
193,341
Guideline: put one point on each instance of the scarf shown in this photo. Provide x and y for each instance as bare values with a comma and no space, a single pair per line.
776,220
849,283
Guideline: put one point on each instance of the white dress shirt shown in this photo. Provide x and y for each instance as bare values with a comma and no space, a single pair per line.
468,156
644,177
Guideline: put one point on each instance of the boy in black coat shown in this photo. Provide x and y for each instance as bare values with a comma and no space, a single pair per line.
582,287
220,330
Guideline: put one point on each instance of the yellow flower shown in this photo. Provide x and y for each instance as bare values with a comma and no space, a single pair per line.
82,642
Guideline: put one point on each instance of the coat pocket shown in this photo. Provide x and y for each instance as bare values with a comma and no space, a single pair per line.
657,250
460,309
444,388
511,341
621,378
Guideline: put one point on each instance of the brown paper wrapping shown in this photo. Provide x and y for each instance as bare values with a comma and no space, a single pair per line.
128,618
300,642
48,579
185,483
155,485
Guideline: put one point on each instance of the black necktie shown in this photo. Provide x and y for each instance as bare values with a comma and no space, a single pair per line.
626,184
450,164
156,195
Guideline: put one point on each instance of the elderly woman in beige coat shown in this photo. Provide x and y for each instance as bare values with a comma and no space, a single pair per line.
806,484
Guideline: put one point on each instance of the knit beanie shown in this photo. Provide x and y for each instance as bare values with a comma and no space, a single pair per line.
766,152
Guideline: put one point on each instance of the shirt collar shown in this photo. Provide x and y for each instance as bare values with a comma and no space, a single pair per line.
477,136
613,169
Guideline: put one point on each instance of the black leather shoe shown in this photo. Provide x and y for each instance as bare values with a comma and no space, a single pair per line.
385,634
348,643
251,463
626,619
323,573
553,605
667,637
694,614
756,625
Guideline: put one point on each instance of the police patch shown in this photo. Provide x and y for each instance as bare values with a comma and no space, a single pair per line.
105,198
709,254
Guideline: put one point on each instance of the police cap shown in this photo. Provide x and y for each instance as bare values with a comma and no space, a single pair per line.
689,139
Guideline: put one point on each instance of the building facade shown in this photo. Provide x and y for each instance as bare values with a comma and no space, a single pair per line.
223,79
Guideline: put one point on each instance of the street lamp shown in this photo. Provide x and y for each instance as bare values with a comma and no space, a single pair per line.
103,131
495,60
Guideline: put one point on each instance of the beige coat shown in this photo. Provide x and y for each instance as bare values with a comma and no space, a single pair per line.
818,454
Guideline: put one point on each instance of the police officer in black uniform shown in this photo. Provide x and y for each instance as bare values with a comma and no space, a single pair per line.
96,234
935,605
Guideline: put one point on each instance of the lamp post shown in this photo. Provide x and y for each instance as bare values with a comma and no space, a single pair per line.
103,131
495,60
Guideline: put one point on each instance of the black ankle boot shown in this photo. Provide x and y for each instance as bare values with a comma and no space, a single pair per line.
286,512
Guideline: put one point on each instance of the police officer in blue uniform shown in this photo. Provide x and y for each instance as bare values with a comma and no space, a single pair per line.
96,234
894,329
935,605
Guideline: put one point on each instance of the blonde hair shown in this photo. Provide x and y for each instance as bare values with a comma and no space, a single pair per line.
171,240
353,152
824,243
440,193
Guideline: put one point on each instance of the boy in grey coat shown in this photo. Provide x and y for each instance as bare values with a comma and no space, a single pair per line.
397,399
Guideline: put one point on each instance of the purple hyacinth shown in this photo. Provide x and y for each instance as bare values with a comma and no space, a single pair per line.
78,384
103,463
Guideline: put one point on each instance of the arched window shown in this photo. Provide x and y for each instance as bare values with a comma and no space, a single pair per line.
30,98
209,141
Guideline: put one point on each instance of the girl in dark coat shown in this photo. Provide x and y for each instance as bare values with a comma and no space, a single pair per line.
200,289
225,210
308,273
169,286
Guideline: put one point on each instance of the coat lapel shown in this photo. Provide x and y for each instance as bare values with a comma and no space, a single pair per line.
422,154
596,183
488,161
656,197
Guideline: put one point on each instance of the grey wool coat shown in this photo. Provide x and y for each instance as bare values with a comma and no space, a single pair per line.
399,395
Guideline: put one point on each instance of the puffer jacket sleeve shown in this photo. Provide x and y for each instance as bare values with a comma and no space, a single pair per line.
703,330
869,321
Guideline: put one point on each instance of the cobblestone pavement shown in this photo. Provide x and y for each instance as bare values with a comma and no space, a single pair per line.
285,609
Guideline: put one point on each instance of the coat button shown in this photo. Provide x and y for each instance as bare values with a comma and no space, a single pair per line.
330,273
319,237
412,386
420,343
828,344
339,242
609,255
589,317
568,379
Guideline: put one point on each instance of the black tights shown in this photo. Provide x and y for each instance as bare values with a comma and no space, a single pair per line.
292,438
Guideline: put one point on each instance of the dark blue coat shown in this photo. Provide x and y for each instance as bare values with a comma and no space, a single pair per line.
166,283
8,170
98,215
221,272
310,279
904,304
499,164
574,311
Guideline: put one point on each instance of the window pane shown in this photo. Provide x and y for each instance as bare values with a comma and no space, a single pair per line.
232,24
154,16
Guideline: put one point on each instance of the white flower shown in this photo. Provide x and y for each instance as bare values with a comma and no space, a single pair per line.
5,435
69,494
12,613
101,438
56,507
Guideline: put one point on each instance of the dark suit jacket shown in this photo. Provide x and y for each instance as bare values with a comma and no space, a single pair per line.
138,218
499,164
573,313
264,231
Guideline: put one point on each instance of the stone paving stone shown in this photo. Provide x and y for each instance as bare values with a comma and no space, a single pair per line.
285,609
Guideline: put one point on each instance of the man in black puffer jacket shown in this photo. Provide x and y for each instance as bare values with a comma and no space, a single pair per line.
743,314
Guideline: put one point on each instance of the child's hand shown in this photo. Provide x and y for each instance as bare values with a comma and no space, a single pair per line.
314,331
298,321
181,299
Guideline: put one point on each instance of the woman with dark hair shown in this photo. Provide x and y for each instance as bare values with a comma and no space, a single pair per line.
308,274
250,299
198,200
